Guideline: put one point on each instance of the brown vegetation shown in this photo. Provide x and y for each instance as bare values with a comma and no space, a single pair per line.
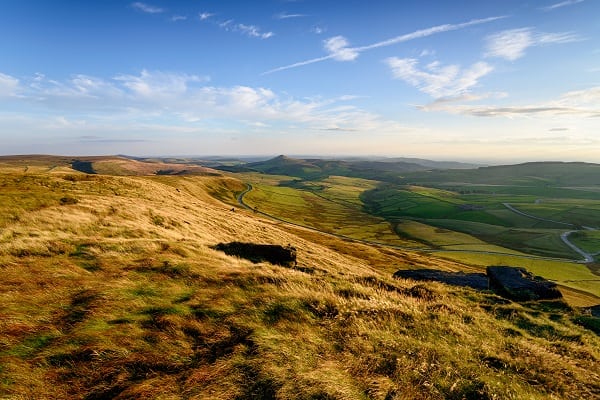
120,295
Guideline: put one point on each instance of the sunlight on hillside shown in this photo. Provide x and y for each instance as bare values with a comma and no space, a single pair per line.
111,289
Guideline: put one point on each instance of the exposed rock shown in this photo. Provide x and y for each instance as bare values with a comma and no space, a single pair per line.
518,284
273,253
475,280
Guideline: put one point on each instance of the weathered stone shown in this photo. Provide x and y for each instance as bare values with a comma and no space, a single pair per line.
475,280
275,254
518,284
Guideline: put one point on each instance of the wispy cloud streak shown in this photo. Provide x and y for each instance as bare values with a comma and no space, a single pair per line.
575,104
561,4
512,44
147,8
284,15
436,80
230,26
341,53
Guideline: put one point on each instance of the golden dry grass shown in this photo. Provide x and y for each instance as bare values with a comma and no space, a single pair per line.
118,294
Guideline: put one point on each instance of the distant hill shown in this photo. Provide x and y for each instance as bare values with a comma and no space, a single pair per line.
551,173
107,165
434,164
320,168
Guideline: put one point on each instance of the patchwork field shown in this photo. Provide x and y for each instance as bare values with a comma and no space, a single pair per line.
332,206
471,225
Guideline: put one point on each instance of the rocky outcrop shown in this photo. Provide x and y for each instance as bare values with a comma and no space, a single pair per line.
594,311
273,253
475,281
520,285
514,283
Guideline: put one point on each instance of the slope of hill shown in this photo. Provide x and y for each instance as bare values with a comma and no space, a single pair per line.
527,174
434,164
111,289
108,165
322,168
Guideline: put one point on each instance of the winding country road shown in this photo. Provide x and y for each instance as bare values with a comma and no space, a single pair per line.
249,187
511,208
587,257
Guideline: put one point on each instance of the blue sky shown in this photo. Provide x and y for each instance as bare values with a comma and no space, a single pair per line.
472,80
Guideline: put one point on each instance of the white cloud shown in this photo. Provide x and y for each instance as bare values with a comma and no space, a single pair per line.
318,30
176,18
143,7
561,4
556,38
436,80
284,15
346,53
337,47
8,85
230,26
574,104
205,15
253,31
158,84
156,97
512,44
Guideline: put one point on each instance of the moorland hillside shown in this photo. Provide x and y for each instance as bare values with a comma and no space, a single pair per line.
112,288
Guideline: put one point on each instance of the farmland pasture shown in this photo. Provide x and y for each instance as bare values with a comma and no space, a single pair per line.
486,216
334,208
464,222
589,241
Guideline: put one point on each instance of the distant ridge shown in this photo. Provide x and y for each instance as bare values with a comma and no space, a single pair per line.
109,165
315,168
554,173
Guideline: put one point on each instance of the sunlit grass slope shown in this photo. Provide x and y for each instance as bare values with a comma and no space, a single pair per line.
331,205
110,289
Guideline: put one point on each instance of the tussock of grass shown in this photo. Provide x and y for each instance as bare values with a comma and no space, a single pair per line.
99,301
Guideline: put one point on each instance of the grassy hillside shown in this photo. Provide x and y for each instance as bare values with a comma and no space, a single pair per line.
311,169
486,216
336,205
111,289
542,174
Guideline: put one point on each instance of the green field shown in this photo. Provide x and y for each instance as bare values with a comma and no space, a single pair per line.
475,229
335,208
589,241
482,216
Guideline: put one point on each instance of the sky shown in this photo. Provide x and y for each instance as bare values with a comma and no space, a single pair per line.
482,80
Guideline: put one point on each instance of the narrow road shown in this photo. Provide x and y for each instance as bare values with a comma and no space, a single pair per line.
565,238
587,257
240,199
511,208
